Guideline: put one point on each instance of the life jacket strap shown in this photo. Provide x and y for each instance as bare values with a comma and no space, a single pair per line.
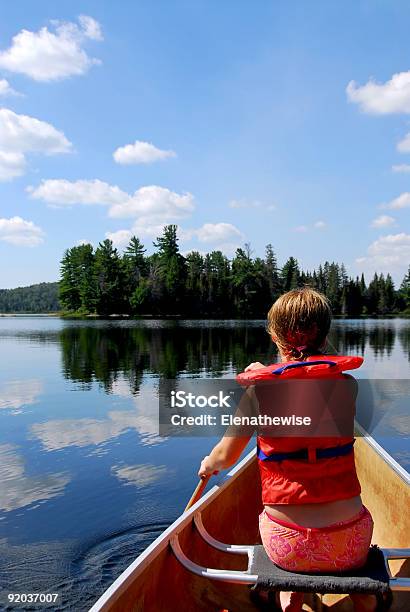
303,453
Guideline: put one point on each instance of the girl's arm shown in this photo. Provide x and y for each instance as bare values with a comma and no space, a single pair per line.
230,447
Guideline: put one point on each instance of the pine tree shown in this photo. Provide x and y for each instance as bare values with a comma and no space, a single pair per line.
172,268
110,279
290,274
404,291
272,273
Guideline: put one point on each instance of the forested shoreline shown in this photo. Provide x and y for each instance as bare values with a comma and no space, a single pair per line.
104,282
40,298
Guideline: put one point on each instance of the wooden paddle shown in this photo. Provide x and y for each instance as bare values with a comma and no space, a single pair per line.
198,491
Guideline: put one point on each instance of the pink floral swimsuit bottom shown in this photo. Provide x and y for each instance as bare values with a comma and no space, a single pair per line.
337,547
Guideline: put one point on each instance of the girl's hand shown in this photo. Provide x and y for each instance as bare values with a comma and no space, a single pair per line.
207,468
257,365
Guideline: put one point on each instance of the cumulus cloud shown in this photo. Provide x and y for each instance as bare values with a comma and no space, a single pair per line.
140,153
120,238
387,253
393,96
154,204
383,221
61,192
402,201
12,165
218,233
404,168
19,232
404,145
150,206
6,89
319,225
21,134
49,55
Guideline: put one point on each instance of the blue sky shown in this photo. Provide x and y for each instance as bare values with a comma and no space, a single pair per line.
233,119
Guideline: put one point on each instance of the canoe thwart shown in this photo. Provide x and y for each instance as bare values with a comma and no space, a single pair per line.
232,576
374,578
236,549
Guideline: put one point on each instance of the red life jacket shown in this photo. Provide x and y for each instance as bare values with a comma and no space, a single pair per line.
324,468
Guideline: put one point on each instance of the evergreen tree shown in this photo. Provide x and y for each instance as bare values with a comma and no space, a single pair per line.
110,280
272,273
77,289
290,274
404,292
172,269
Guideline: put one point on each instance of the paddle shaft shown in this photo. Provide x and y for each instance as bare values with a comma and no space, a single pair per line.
198,492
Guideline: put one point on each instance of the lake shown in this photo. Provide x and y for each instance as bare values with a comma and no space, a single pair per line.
86,482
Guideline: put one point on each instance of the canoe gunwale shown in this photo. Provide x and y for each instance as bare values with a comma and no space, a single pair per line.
158,545
193,516
400,471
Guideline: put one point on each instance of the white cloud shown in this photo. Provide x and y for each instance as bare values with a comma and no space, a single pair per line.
388,253
6,89
405,168
393,96
23,134
153,204
383,221
251,204
19,232
404,145
120,238
402,201
49,56
139,475
301,229
66,193
140,153
12,165
20,134
83,242
218,233
319,225
91,27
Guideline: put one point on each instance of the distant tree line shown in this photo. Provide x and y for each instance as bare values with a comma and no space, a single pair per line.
34,299
167,283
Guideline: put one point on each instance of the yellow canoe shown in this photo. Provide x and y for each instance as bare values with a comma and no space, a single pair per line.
228,513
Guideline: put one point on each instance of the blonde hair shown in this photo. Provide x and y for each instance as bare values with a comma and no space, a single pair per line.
299,322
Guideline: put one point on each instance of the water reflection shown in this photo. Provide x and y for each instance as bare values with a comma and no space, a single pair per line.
18,489
15,394
139,475
118,484
196,349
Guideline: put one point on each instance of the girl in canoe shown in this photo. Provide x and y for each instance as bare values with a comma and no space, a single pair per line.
313,519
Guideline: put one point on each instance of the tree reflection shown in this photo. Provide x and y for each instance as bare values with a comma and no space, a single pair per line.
170,349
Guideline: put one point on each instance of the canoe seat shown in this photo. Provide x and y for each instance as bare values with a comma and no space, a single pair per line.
374,578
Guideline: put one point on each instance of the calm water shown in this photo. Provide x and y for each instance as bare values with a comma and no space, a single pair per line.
86,483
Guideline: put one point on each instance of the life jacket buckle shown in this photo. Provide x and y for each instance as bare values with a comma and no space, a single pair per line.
312,457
